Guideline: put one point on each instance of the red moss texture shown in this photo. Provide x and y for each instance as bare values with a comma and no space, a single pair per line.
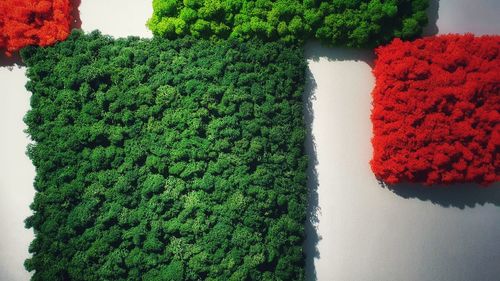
33,22
436,108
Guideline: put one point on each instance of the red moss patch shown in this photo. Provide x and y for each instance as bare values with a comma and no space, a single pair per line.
436,110
33,22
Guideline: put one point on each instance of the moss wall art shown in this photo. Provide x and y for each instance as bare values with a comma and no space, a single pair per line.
33,22
436,110
360,23
167,160
182,157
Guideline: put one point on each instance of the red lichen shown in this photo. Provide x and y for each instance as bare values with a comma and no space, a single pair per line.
436,108
33,22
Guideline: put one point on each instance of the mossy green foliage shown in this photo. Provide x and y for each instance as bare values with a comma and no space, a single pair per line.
353,23
166,160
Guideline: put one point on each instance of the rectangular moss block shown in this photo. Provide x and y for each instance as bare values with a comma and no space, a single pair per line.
167,160
436,108
29,22
360,23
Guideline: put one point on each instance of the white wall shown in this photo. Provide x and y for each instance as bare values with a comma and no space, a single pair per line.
16,175
475,16
119,18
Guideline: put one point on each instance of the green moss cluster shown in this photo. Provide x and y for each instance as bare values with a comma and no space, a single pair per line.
166,160
353,23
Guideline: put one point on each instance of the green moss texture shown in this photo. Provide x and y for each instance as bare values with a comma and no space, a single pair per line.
166,160
352,23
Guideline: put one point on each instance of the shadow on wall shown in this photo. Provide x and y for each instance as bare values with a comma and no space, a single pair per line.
10,62
15,59
315,50
313,209
433,16
75,14
455,195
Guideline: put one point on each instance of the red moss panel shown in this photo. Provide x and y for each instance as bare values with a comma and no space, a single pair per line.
436,108
33,22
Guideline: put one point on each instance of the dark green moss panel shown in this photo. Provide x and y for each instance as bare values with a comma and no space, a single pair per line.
352,23
166,160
